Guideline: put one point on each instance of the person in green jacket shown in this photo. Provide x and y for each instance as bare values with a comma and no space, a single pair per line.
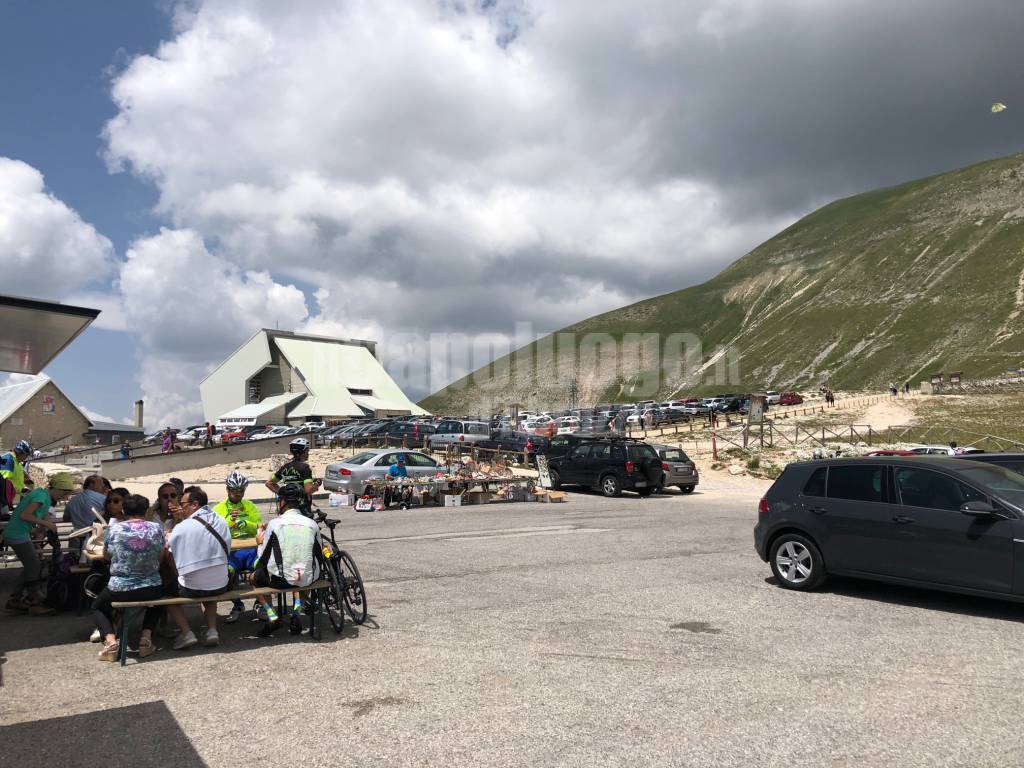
12,466
243,519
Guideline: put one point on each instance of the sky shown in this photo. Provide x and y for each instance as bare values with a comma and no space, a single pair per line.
397,168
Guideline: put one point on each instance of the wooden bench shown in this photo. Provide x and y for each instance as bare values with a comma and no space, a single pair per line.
244,593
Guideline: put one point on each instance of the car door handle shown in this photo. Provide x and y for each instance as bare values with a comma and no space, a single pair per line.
902,519
819,510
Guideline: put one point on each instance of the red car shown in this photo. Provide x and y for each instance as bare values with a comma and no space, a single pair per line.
790,398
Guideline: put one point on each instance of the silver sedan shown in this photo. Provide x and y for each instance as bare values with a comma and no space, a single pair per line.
354,474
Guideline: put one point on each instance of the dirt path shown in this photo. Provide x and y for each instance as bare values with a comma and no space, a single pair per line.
890,413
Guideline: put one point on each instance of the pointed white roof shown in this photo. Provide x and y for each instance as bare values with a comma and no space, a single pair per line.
13,396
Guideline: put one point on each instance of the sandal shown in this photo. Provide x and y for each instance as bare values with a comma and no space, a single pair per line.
17,604
110,651
146,648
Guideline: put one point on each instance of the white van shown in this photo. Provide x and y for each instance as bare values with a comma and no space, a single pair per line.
459,431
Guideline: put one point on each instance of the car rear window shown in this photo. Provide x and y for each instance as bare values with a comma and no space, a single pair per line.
855,483
1005,482
359,458
674,454
476,429
816,482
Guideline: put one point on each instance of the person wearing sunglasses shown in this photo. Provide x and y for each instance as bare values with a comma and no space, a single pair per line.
243,518
161,511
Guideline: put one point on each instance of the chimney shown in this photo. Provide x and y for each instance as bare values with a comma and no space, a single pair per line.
138,414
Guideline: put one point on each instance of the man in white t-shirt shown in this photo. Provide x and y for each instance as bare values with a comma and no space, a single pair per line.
199,547
287,553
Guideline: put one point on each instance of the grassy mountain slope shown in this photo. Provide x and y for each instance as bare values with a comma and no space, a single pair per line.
888,285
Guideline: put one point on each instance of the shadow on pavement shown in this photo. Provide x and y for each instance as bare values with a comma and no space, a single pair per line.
920,597
126,736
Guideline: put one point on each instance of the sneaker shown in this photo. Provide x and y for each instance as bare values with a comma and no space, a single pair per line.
235,615
95,637
17,604
185,641
38,609
212,639
146,648
110,651
270,628
295,625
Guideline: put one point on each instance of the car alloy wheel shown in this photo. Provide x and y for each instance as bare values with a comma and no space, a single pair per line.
794,562
610,486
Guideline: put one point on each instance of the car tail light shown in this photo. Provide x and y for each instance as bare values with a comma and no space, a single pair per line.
762,507
665,466
629,466
462,438
345,472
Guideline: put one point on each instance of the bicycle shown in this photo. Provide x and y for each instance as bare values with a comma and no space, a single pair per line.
346,593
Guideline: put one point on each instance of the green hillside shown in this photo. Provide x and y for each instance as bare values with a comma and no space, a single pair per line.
888,285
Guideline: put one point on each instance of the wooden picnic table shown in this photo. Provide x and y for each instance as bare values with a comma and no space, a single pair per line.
243,544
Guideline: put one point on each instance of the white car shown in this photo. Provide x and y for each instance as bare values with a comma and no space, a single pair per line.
943,450
567,425
313,426
272,432
772,397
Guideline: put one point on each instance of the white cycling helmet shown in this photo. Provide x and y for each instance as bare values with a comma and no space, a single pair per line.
298,445
236,480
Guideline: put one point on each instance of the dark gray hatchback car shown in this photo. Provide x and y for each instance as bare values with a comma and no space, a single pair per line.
926,521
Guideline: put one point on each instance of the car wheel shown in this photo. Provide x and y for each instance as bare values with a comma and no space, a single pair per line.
556,479
686,488
610,486
796,562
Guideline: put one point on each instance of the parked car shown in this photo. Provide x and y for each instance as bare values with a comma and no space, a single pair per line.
728,405
269,432
407,433
943,450
458,431
354,473
1011,461
790,398
928,521
890,452
240,434
610,465
567,424
772,397
313,426
677,468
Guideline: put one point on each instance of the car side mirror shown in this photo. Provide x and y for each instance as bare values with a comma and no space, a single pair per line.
977,509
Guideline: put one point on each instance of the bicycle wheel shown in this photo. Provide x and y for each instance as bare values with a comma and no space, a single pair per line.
355,595
333,597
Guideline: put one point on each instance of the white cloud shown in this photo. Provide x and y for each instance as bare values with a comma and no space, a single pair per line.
395,149
190,309
46,250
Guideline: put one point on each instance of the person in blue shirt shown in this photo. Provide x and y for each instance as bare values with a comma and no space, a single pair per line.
398,469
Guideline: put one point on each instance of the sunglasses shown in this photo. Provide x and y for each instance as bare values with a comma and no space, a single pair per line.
168,495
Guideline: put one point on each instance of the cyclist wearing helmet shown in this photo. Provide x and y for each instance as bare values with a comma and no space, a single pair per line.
297,472
12,465
288,547
243,520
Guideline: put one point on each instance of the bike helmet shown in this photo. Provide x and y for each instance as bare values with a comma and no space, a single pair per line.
236,481
291,493
22,446
298,445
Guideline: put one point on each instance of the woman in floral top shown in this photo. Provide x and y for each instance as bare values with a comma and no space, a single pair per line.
134,547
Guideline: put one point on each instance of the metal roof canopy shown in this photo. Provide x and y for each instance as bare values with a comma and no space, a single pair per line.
33,332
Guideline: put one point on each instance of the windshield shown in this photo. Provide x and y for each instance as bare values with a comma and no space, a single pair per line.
1001,481
674,454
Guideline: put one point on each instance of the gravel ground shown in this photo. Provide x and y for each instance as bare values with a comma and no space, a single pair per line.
596,632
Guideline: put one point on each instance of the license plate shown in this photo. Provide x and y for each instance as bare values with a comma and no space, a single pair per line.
683,470
640,483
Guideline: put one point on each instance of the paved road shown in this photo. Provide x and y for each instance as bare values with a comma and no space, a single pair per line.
598,632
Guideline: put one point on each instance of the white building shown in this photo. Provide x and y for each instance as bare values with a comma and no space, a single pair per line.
279,377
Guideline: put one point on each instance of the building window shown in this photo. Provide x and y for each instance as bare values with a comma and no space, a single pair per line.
254,391
367,392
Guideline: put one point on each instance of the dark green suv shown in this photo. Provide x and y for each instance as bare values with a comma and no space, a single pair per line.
610,465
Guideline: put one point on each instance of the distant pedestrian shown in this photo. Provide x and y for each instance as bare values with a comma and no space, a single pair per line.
906,388
892,389
648,419
208,438
126,450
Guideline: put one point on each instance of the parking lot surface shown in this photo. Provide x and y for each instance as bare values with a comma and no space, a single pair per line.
596,632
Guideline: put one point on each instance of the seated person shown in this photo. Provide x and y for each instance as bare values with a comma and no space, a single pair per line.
82,510
134,547
198,546
289,549
398,468
243,519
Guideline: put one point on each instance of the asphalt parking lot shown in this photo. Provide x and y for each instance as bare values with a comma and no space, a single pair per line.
596,632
